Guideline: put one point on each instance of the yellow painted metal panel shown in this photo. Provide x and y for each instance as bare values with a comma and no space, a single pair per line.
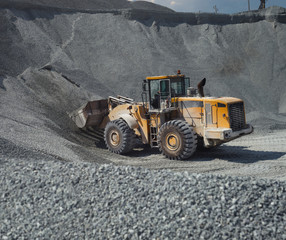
223,118
139,114
164,77
223,100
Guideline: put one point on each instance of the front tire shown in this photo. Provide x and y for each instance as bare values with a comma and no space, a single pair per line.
177,140
119,137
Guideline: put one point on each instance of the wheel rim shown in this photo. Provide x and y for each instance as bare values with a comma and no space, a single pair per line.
114,138
173,142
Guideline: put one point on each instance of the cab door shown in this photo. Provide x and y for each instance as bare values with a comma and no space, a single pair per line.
165,93
211,114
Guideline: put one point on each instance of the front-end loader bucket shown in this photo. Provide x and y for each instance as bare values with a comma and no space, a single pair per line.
90,114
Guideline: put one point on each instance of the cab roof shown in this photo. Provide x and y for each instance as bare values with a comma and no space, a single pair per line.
165,77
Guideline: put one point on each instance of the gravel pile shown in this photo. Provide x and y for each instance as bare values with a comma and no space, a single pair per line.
47,199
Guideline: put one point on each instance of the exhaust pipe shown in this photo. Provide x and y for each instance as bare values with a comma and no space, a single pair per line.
201,87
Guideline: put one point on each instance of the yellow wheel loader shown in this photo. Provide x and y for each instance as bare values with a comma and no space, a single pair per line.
172,116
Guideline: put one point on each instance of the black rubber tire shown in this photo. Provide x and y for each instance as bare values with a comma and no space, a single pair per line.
177,140
119,137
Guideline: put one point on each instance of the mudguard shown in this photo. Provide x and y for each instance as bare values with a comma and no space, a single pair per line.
131,121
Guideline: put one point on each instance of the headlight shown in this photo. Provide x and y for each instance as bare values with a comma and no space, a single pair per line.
227,134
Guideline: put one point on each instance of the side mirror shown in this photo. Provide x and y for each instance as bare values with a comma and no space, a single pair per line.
144,86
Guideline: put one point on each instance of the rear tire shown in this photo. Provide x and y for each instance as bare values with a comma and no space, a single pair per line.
177,140
119,137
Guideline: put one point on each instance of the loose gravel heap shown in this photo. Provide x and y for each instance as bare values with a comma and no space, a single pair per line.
49,199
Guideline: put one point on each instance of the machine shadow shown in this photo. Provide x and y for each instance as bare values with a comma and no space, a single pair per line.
238,154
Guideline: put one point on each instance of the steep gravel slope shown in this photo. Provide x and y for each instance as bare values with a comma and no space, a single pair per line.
35,117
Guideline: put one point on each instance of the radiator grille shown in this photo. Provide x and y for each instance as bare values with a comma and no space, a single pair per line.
237,116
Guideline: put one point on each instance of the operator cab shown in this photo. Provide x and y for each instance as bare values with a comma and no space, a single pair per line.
161,91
